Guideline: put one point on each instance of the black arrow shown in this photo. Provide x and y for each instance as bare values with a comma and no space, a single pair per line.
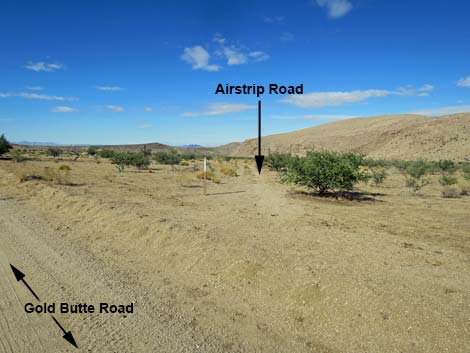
20,277
67,334
259,158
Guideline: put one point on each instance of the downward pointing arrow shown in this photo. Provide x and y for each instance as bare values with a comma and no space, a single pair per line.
67,334
259,158
20,277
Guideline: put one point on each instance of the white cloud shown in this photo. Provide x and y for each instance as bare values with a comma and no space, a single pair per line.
335,8
37,96
259,55
64,109
43,66
426,88
324,99
220,109
148,109
286,37
113,108
234,56
144,126
34,88
274,19
313,117
109,88
443,110
198,57
218,39
464,82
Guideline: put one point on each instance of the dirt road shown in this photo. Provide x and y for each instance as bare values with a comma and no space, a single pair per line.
252,267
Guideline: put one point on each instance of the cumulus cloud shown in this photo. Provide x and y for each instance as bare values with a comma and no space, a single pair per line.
37,96
220,109
259,55
34,88
443,110
464,82
148,109
64,109
234,56
113,108
198,57
335,8
43,66
324,99
109,88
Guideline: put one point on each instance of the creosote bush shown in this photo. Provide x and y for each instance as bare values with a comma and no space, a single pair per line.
125,159
5,146
278,161
171,157
54,152
415,172
18,156
378,176
324,171
447,180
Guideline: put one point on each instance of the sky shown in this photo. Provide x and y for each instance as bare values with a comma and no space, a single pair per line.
120,72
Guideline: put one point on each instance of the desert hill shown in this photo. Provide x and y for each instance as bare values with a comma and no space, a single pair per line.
389,137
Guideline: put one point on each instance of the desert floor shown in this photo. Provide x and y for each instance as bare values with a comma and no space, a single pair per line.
253,266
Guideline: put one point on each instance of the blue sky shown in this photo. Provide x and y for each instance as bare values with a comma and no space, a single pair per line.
100,72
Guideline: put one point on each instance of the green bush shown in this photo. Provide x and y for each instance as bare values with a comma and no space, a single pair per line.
121,160
378,176
324,171
446,166
447,180
139,160
106,154
126,159
278,161
4,145
92,150
415,172
54,152
466,171
167,157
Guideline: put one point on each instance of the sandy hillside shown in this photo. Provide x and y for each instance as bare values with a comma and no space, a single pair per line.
390,137
254,266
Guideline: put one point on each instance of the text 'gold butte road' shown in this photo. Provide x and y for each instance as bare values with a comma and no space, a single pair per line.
79,308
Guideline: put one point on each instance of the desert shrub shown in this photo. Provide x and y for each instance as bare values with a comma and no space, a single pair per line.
228,171
106,154
447,180
184,163
446,166
5,146
325,171
18,156
278,161
167,157
450,192
54,152
188,156
92,150
209,176
466,171
121,160
378,176
415,172
139,160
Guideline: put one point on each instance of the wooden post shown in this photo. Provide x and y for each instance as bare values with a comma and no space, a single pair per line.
205,176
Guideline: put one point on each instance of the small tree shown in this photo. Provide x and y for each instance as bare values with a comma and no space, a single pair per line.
92,150
325,171
139,160
54,152
167,157
4,145
121,160
415,172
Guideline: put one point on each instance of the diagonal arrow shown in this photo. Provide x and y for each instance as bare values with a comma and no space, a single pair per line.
20,277
259,158
67,334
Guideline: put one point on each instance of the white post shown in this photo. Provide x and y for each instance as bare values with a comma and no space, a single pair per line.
205,172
